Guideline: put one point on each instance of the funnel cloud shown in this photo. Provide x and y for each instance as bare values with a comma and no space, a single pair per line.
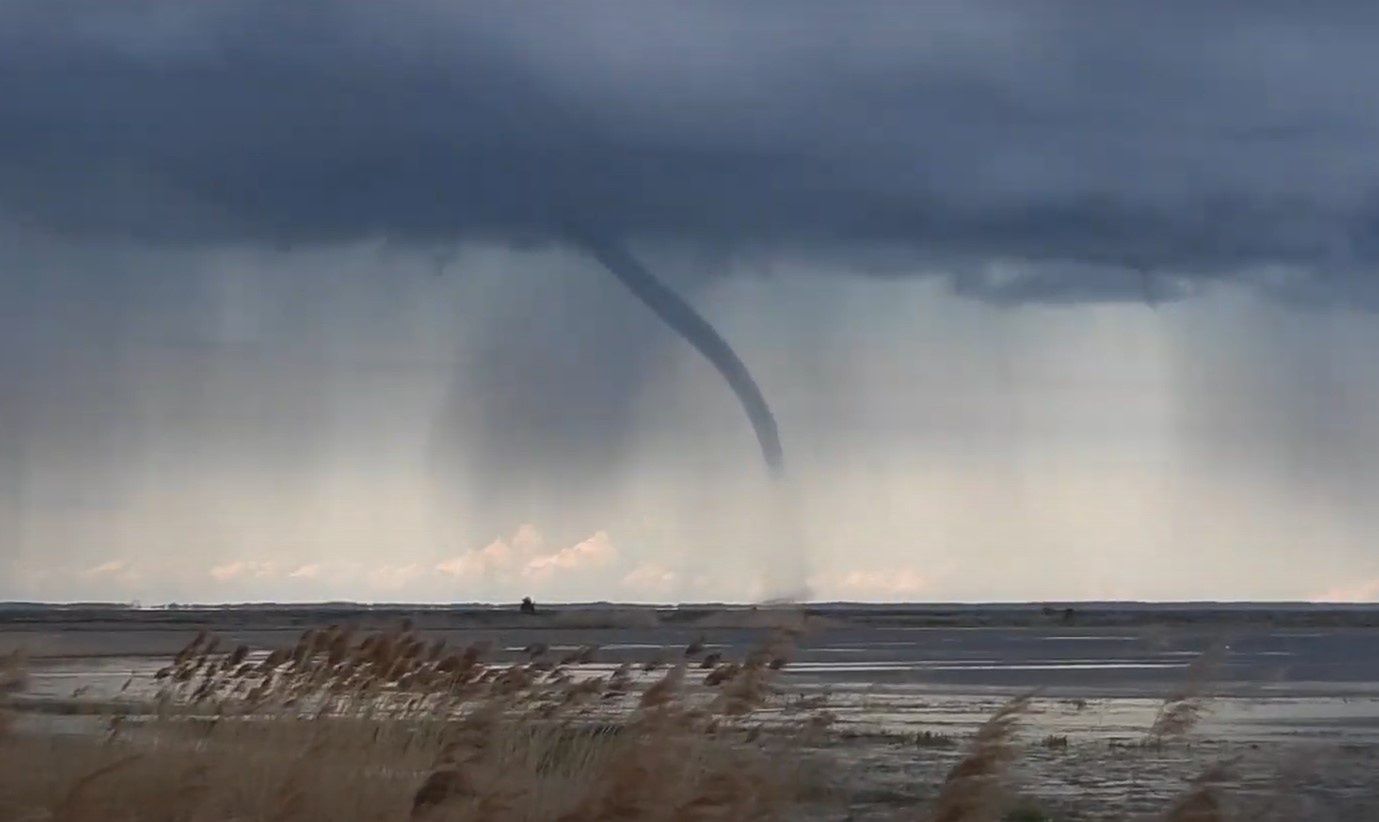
686,322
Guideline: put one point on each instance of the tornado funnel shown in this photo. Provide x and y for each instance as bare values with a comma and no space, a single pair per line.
686,322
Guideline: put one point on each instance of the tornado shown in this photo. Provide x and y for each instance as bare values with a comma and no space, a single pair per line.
686,322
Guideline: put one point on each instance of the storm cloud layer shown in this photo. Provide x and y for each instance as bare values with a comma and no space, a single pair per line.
288,299
1030,150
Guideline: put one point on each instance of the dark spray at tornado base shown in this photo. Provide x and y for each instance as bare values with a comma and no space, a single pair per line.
784,559
686,322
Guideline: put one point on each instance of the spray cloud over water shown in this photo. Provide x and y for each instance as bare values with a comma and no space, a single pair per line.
686,322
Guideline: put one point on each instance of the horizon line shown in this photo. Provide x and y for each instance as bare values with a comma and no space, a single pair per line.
1033,603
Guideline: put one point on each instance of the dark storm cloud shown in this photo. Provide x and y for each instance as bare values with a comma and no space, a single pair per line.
1041,150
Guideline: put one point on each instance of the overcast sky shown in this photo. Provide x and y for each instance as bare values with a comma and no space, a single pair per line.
1050,300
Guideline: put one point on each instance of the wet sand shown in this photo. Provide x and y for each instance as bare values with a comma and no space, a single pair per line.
1291,704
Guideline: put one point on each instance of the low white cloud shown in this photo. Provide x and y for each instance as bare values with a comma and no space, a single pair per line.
528,539
394,577
1366,590
500,558
311,570
594,552
244,569
524,556
116,569
649,578
114,566
493,558
893,583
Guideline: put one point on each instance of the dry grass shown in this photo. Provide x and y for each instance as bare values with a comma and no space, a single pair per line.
1182,709
13,677
13,671
976,789
1205,800
389,727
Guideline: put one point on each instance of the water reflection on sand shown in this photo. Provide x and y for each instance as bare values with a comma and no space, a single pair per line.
1278,691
